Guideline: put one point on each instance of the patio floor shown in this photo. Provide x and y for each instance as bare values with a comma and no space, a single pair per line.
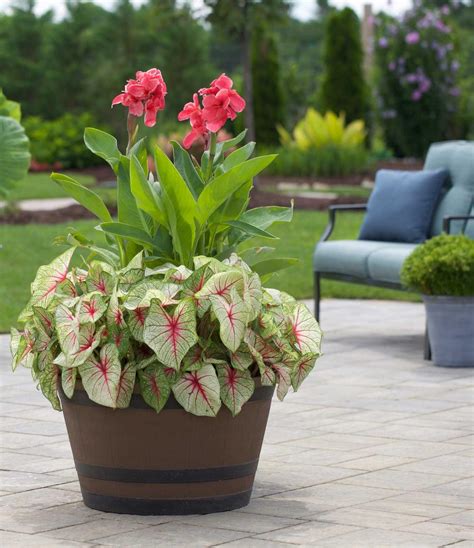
375,450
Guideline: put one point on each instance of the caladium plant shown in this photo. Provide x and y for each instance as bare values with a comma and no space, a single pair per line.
206,334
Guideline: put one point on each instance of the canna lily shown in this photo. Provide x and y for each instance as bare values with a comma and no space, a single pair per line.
192,111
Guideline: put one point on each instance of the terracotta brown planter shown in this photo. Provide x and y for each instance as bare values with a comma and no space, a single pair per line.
137,461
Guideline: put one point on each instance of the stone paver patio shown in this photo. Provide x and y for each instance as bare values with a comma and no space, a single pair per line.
374,451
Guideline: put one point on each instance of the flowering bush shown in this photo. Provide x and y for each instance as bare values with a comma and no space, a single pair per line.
168,301
417,78
204,334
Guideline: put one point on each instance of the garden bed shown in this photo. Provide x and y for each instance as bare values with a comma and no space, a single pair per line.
47,217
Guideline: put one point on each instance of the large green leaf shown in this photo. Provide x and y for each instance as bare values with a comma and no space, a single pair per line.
128,211
144,192
14,153
264,217
101,376
180,206
268,266
86,197
10,109
199,392
170,336
238,156
129,233
237,387
185,166
222,187
102,144
250,231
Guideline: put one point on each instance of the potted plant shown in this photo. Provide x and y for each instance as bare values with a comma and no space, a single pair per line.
162,346
442,269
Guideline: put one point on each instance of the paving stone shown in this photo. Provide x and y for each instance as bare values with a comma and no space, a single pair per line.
8,539
453,464
461,518
409,481
437,528
363,517
307,533
375,462
94,529
463,488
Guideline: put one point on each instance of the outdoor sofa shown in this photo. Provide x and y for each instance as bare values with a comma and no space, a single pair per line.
378,263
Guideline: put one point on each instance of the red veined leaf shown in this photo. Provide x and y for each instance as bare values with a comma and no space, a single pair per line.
131,274
199,392
154,386
101,376
305,330
233,317
302,369
283,378
221,284
67,329
68,380
267,376
88,340
44,318
237,387
100,278
242,359
91,308
21,345
193,359
49,277
178,274
126,385
115,319
267,327
49,382
194,284
136,322
252,292
171,335
67,287
141,294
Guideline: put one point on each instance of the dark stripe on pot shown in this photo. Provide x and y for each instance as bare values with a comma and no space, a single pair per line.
80,397
198,475
123,505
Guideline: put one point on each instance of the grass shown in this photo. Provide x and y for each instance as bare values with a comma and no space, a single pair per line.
25,248
41,186
343,190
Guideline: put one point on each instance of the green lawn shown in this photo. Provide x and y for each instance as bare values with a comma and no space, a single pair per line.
25,248
40,185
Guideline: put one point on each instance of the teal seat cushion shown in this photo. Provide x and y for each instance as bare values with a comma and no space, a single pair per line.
458,193
385,264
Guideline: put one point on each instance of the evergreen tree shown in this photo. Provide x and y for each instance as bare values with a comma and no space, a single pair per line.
343,88
267,91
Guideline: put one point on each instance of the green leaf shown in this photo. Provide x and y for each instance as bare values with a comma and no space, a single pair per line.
154,386
233,316
171,336
237,387
14,153
185,166
222,187
145,194
125,386
264,217
180,206
305,330
86,197
223,146
238,156
250,230
10,109
128,211
268,266
101,376
49,382
199,392
128,232
68,380
253,255
103,145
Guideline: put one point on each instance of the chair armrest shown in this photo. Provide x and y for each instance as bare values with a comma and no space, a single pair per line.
332,210
447,221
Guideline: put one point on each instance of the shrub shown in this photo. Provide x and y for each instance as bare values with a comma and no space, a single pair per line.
443,265
417,88
60,141
343,87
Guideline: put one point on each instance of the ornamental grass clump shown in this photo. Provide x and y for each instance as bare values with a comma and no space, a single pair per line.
167,306
443,265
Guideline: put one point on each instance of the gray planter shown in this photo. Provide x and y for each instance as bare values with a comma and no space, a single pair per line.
451,330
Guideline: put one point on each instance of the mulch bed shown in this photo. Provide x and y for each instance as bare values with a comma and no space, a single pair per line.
262,198
56,216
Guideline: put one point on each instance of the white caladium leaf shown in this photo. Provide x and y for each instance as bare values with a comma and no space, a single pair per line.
170,336
178,274
199,392
267,327
100,278
136,322
283,378
49,277
49,382
214,265
305,330
21,346
88,340
154,386
237,387
242,359
221,284
144,292
67,329
302,369
252,292
267,376
194,358
42,340
101,376
194,284
68,380
91,308
126,386
235,260
131,274
44,319
121,340
233,318
67,288
115,319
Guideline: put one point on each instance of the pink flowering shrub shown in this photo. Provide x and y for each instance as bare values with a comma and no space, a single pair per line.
417,65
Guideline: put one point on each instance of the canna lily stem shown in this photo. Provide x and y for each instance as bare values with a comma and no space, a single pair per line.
132,129
212,153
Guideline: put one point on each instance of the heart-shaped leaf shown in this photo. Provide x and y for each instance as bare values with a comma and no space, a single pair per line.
49,383
154,386
302,370
171,335
48,279
233,318
283,378
236,387
91,308
101,376
199,392
68,380
305,330
221,284
136,322
126,385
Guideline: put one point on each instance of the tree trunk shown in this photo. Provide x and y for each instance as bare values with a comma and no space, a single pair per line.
247,72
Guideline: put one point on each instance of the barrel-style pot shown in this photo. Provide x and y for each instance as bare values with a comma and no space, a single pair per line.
137,461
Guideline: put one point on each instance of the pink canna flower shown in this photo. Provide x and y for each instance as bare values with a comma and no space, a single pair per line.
220,103
146,94
192,111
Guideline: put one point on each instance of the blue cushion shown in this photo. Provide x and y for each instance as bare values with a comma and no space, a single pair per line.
401,206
